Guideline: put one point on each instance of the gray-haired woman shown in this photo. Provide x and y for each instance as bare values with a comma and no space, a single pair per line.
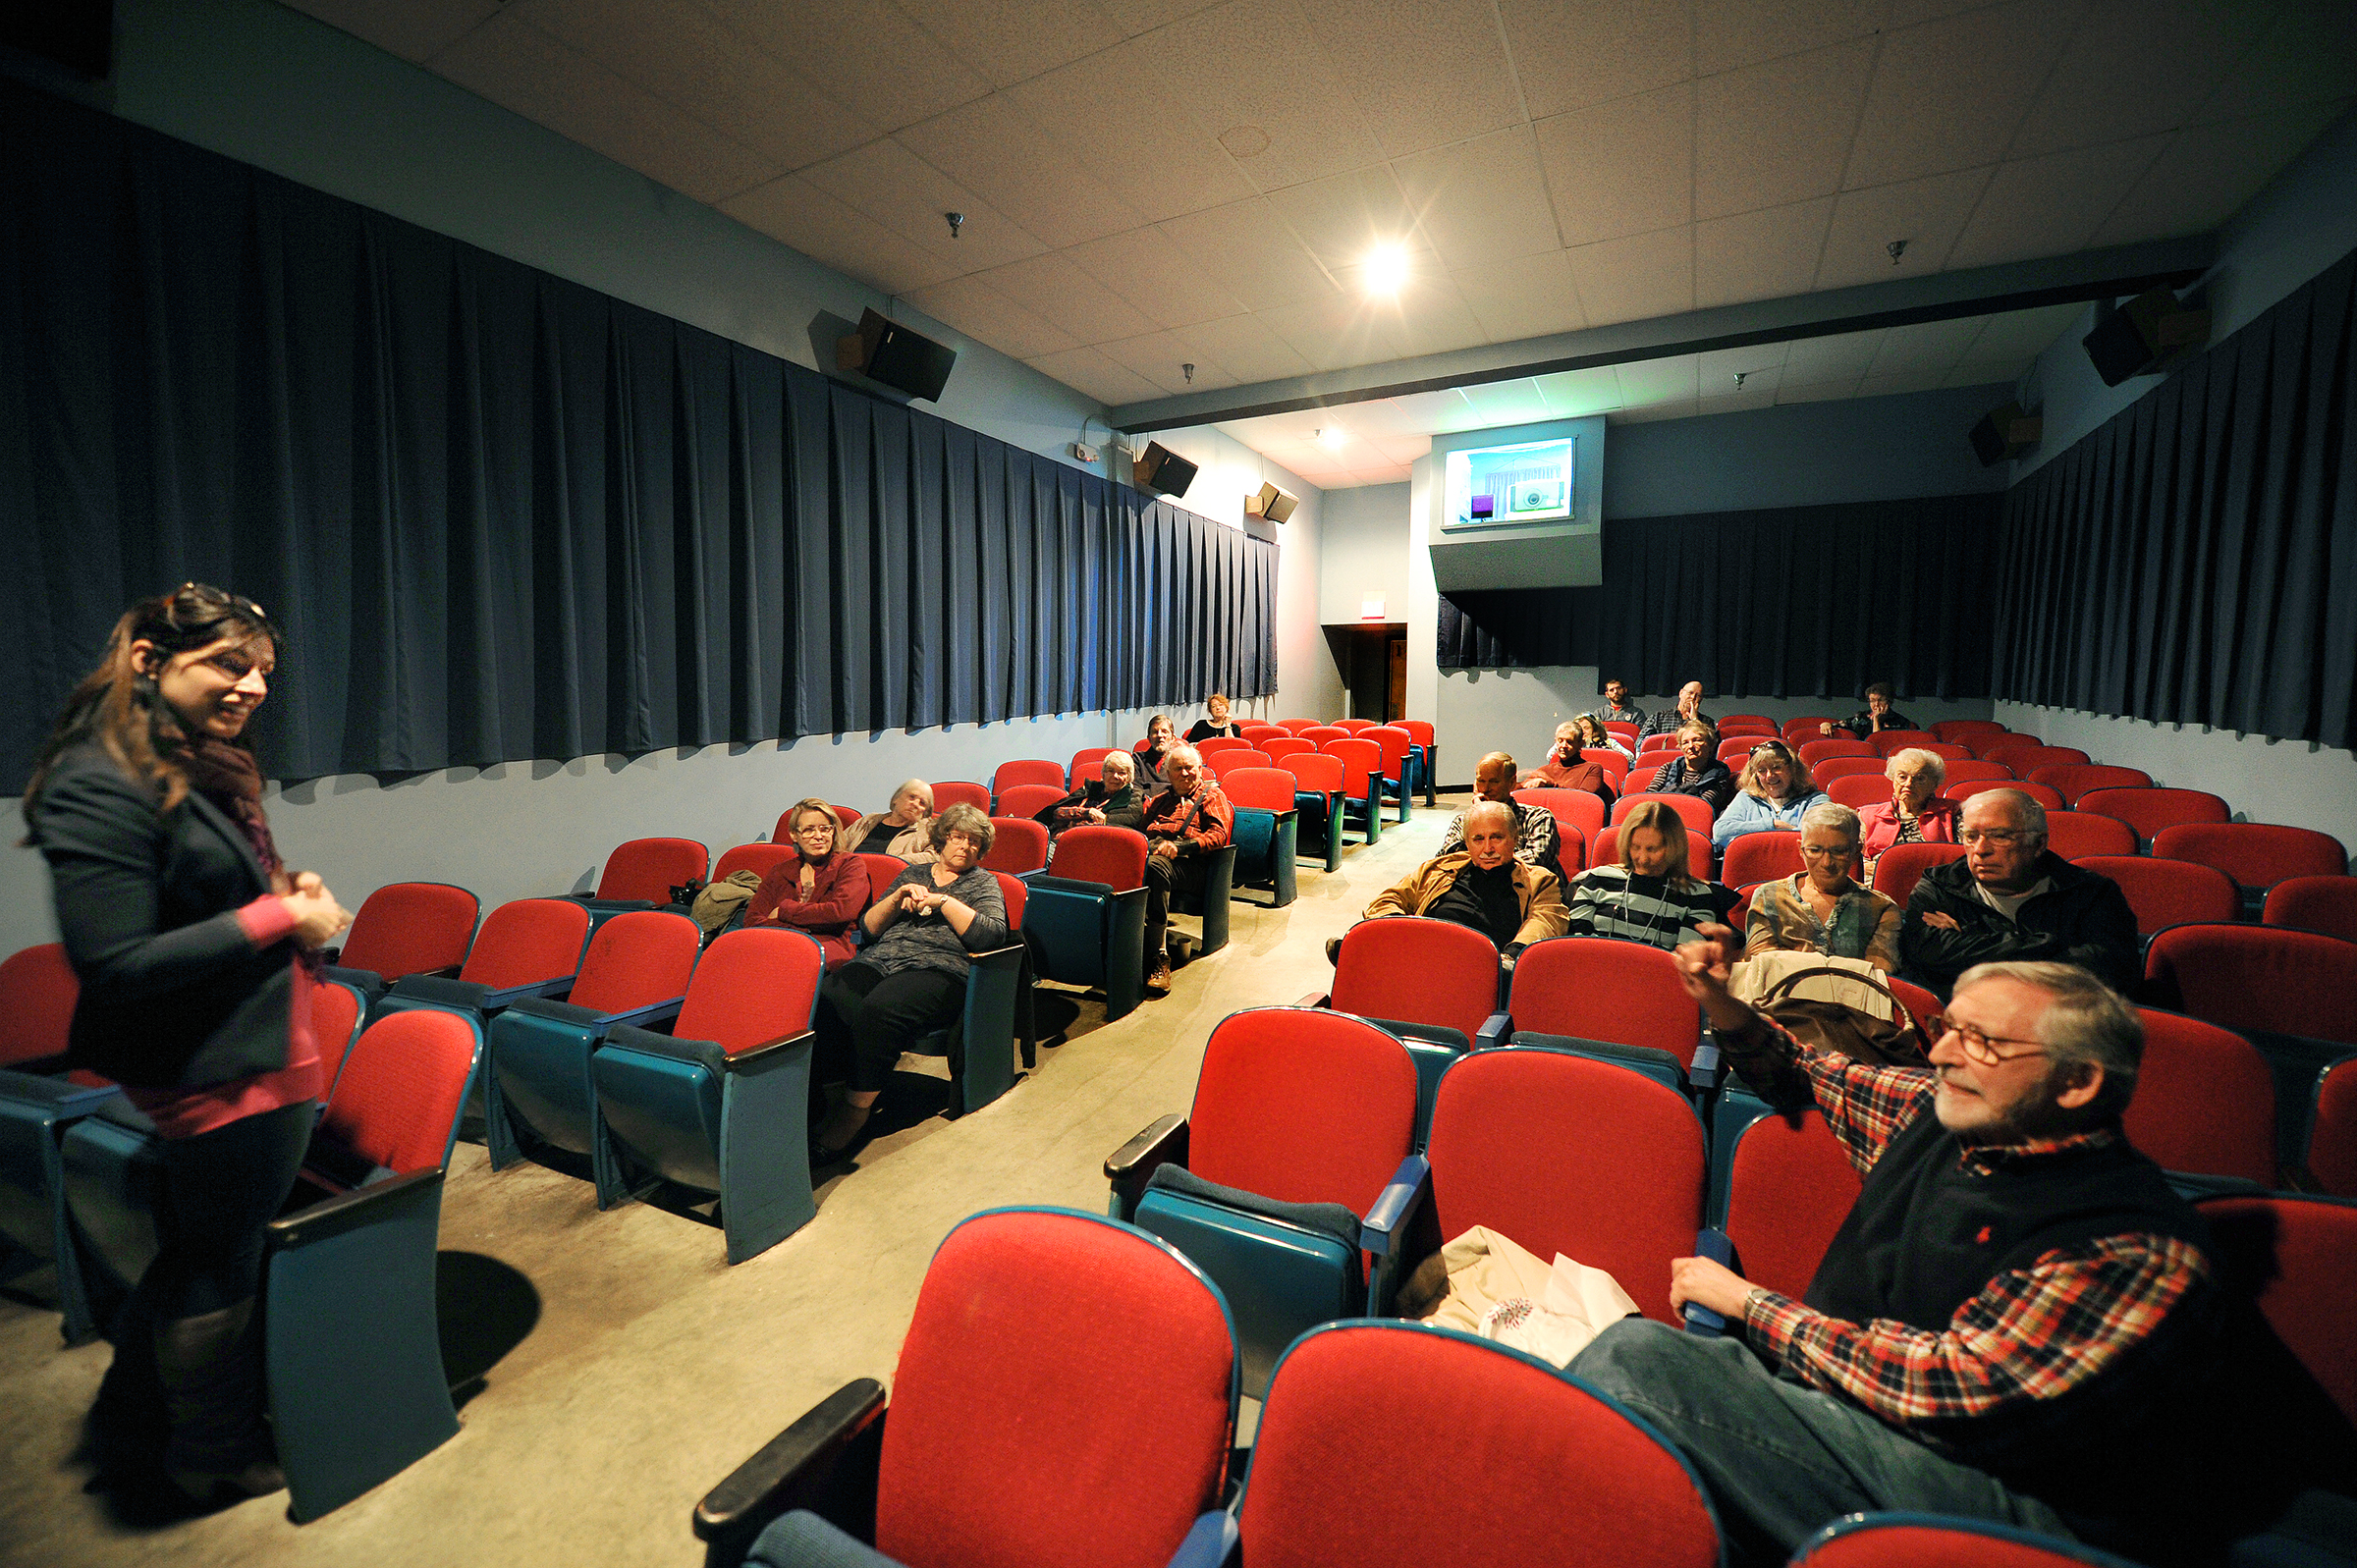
905,830
909,979
1914,813
1823,907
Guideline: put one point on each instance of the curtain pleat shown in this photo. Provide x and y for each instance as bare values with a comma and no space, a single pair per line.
2194,558
503,517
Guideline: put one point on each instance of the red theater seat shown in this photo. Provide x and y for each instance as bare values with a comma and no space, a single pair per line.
2205,1100
1027,771
1965,730
527,942
960,793
2167,892
2315,903
2074,833
1089,763
1833,768
1788,1187
1855,790
1018,845
39,991
647,869
1816,751
1593,988
2255,854
1969,787
757,858
2332,1129
1969,771
1029,800
415,928
2026,759
2256,977
2299,1257
1888,742
2071,780
1113,856
1694,811
1411,970
1902,865
2149,811
1758,857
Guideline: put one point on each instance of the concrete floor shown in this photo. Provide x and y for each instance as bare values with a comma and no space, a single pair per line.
653,1368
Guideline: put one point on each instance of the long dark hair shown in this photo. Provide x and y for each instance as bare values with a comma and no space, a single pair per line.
119,706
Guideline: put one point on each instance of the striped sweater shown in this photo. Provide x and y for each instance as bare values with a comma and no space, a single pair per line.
1614,902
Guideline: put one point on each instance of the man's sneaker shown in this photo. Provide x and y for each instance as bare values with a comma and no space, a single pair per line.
1157,979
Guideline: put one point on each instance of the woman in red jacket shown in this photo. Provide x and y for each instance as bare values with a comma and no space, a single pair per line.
818,889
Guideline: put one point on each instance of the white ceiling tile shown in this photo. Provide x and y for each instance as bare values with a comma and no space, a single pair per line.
1924,345
1053,288
992,148
1249,250
1840,359
2206,171
2023,334
1135,17
1754,395
1901,381
1817,391
1768,254
1088,371
2048,207
1907,13
1573,53
1571,393
1481,201
1337,331
1761,365
1652,381
865,52
2309,54
1161,357
1529,297
682,53
2181,51
1622,168
1250,73
1245,347
1630,280
1114,109
521,68
1388,418
1655,412
1928,214
1149,271
414,32
1732,33
1421,72
1436,411
1949,94
1508,403
1434,318
1265,431
1343,217
981,312
797,212
909,195
1776,132
1008,41
1401,449
1986,372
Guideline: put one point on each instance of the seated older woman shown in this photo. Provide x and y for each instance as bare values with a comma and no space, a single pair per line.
819,890
1694,771
1914,813
1593,737
907,830
1654,898
1770,795
1822,908
1220,723
1111,799
911,978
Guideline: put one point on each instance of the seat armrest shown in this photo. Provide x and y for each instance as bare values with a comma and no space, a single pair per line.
766,1049
1714,1245
557,986
646,1018
1706,1069
365,981
1210,1542
1130,1166
1496,1029
345,1210
794,1463
557,1011
468,994
1316,999
1387,1219
62,1095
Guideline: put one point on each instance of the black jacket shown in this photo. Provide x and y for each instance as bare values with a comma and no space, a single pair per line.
1127,809
173,996
2082,919
1714,782
1861,723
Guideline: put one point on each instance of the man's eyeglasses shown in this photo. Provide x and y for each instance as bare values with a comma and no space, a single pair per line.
1978,1047
1994,835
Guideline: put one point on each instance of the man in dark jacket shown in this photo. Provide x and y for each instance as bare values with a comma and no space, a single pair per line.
2010,898
1184,824
1878,716
1110,801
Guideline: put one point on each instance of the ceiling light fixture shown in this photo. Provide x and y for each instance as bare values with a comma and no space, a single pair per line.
1386,268
1333,437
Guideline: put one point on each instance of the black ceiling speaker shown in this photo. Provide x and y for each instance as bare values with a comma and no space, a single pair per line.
897,357
2148,334
1160,470
2006,432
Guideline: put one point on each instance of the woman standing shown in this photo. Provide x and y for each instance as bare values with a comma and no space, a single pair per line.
192,943
819,890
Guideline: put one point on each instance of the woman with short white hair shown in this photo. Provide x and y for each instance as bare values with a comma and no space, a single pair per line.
1914,813
1822,908
904,829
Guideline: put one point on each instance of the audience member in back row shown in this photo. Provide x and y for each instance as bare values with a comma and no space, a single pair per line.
1217,725
911,978
1914,813
1694,771
1878,717
1188,821
1536,839
1109,800
1566,769
2018,1320
1654,898
1616,709
1772,795
1483,885
1154,756
907,830
819,890
1822,908
1593,737
2010,898
1688,709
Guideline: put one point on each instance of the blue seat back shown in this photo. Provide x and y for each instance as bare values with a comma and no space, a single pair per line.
1281,1280
666,1110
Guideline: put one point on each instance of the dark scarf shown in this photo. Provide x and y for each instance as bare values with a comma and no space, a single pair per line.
229,778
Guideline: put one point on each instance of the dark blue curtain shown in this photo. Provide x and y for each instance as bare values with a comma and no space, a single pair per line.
1791,602
505,517
2194,558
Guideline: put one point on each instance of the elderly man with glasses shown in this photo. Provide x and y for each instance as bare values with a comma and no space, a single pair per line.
2010,897
2019,1320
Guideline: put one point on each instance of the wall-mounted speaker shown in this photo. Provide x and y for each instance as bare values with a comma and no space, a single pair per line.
1271,502
897,357
2150,334
1163,471
2006,432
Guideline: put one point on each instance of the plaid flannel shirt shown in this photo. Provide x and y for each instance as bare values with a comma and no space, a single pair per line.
2030,1336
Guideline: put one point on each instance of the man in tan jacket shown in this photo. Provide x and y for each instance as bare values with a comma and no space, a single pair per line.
1483,887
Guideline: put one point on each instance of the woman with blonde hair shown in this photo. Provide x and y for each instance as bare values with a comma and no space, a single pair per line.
819,890
1653,897
1772,794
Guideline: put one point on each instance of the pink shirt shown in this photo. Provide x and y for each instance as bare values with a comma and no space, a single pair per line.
187,1112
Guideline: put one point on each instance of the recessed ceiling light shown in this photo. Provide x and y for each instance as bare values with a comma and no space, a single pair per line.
1385,269
1332,436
